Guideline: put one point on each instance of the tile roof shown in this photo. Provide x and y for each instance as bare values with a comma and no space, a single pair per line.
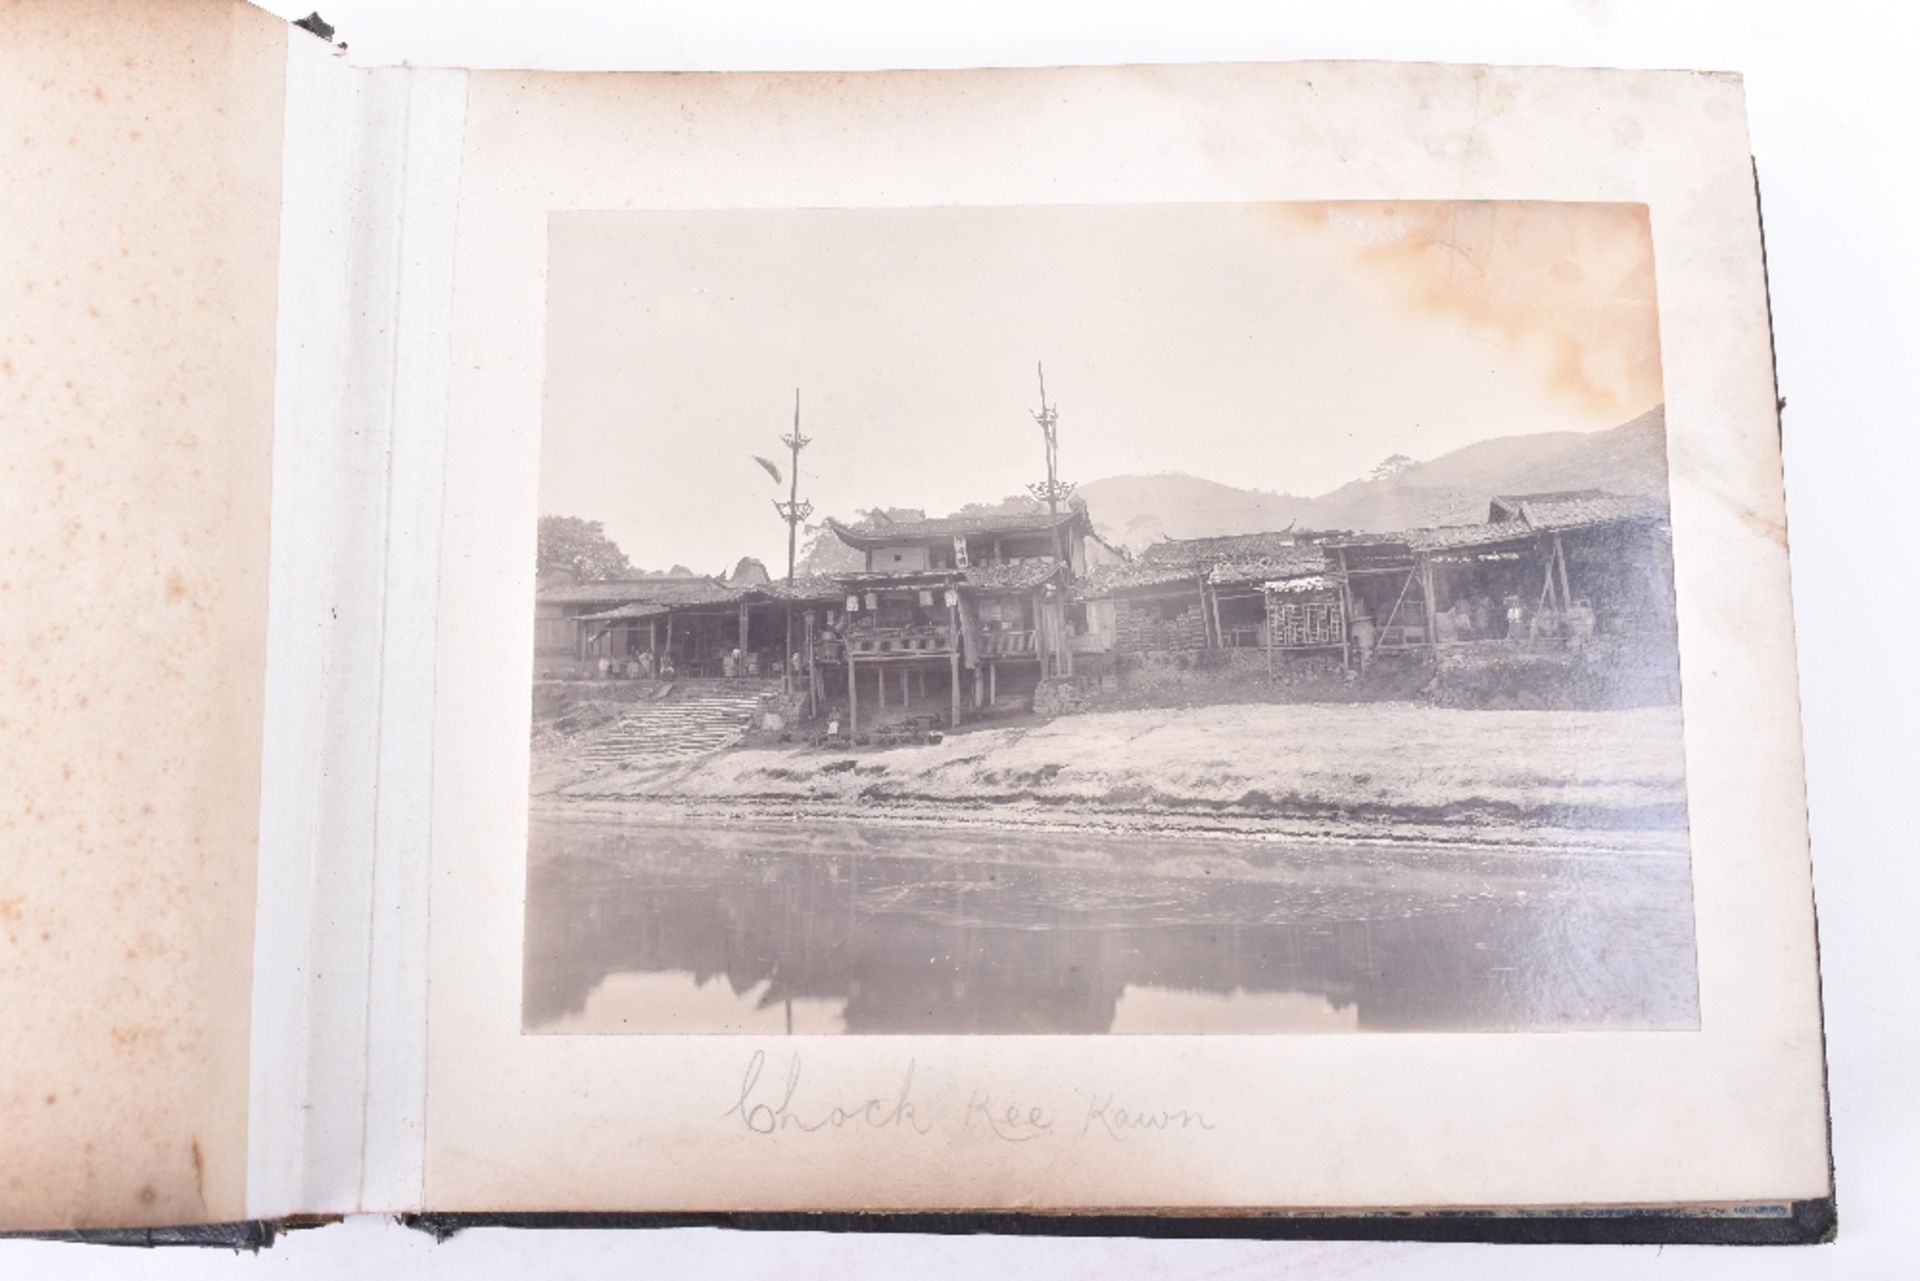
621,591
1195,551
1133,576
1016,576
1011,576
804,587
1507,506
1450,537
911,531
897,577
1574,509
1284,562
619,612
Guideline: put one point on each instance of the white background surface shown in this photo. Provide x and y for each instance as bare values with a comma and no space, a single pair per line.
1832,100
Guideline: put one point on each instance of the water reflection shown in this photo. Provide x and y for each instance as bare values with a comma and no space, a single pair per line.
634,928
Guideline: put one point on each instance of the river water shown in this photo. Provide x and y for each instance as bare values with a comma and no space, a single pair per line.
832,928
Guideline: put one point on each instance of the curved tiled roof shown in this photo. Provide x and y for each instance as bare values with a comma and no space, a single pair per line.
1574,508
1018,576
1285,562
1193,551
623,591
1448,537
804,587
1132,576
912,531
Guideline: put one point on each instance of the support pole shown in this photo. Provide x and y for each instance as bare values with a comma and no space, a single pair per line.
1426,591
1212,599
1040,635
1065,641
1394,613
1346,613
993,683
1266,609
813,671
853,697
1566,589
953,660
740,667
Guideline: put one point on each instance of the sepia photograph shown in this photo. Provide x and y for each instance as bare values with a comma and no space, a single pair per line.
1136,619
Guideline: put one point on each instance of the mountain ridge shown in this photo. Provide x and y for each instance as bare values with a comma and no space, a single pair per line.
1136,510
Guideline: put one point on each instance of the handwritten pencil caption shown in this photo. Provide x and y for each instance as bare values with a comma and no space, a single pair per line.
784,1104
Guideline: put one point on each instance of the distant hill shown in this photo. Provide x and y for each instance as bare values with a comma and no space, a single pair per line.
1451,489
1138,510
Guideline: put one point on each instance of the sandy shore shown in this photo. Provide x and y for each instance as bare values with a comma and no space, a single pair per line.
1385,772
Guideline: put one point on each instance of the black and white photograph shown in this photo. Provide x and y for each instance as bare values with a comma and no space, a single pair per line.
1199,618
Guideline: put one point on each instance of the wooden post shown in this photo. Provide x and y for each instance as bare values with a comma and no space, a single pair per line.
740,666
906,699
1426,590
786,655
853,697
1566,589
1398,601
1346,612
953,660
880,683
993,683
813,670
669,637
1066,639
653,643
1266,611
1040,635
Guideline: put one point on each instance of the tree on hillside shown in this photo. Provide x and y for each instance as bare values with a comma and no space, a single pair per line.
1012,505
1390,466
582,546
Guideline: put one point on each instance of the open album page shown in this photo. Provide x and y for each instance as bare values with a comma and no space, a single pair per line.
1164,638
137,352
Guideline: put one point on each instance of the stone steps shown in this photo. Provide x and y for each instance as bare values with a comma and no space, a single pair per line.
676,730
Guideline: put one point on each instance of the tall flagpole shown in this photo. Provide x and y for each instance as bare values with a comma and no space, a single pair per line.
1053,489
793,511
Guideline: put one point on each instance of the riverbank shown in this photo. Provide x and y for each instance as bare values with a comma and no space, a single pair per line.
1612,780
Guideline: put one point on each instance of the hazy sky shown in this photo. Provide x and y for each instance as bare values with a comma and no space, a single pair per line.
1284,347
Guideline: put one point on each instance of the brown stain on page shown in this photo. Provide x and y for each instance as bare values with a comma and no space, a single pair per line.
1569,284
136,372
